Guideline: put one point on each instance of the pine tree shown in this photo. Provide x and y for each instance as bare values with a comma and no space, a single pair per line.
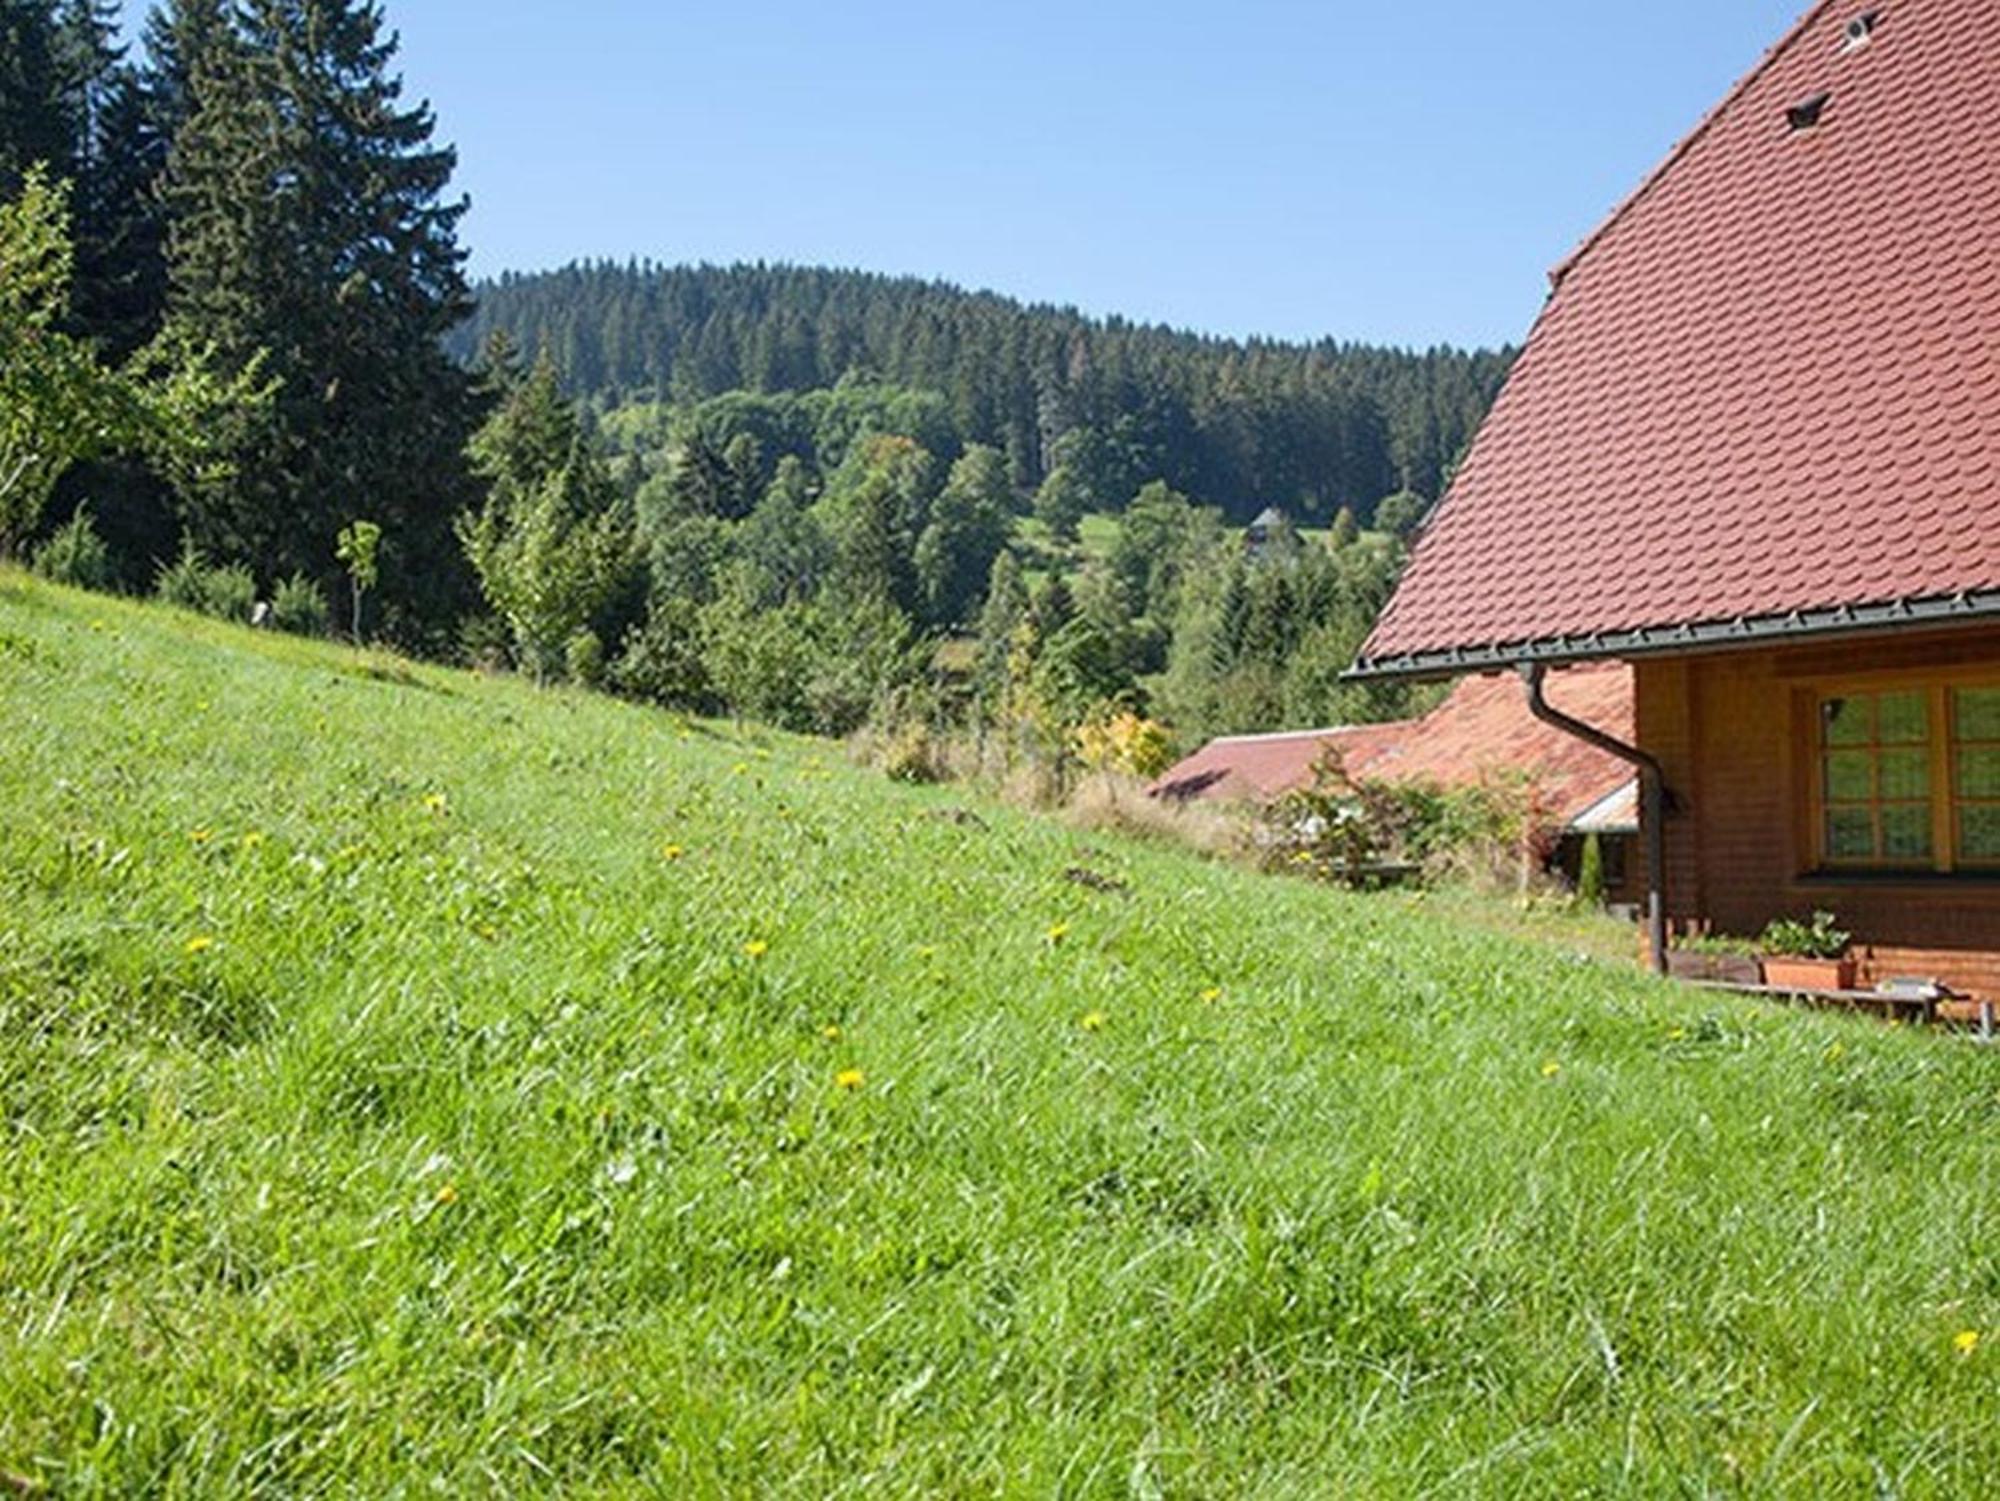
968,528
308,220
39,119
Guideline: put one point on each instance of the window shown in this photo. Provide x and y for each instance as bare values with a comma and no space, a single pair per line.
1975,791
1908,778
1875,757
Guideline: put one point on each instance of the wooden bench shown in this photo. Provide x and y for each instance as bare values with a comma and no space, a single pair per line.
1883,1002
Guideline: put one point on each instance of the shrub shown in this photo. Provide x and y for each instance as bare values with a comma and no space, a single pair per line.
1494,834
1122,741
1401,514
184,582
583,659
1590,873
484,641
299,605
910,753
661,660
1714,943
75,555
228,591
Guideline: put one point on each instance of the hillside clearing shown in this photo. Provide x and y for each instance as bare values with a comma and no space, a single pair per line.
411,1079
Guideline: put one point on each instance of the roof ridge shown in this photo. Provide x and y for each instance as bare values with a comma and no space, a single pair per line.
1687,142
1331,729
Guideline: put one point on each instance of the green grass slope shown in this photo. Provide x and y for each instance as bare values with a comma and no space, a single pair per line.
413,1083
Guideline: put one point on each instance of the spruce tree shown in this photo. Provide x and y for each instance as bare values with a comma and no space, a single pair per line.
968,527
39,124
308,220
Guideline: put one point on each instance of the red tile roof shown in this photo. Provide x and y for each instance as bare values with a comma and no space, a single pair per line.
1769,383
1483,727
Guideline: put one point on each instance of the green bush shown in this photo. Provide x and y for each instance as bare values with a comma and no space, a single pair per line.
583,659
228,590
184,582
484,642
1715,943
1590,873
909,752
661,660
299,605
75,555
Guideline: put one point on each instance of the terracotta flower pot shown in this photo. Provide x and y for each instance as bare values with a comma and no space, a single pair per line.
1789,972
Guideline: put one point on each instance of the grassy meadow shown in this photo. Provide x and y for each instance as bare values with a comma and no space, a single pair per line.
416,1083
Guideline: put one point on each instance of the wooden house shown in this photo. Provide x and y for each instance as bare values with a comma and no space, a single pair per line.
1752,446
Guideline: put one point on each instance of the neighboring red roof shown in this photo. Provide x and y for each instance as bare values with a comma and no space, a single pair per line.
1483,727
1769,383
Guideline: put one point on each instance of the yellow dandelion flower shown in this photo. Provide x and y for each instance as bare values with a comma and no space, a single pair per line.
756,948
200,836
1551,1069
435,802
739,768
672,852
1212,993
927,951
199,944
850,1078
252,839
1058,932
831,1031
1093,1021
1677,1034
1965,1341
447,1193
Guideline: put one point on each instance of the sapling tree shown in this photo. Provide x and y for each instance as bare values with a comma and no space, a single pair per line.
554,539
359,547
547,561
60,406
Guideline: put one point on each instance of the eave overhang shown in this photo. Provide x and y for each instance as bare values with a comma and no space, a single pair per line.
1687,637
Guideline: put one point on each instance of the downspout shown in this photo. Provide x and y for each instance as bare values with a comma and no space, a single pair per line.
1653,795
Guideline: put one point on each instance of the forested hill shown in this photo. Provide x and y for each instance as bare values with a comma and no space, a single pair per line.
1238,424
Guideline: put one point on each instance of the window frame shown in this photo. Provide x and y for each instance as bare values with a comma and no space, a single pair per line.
1983,864
1944,749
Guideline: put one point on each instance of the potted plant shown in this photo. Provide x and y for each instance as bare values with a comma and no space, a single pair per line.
1807,955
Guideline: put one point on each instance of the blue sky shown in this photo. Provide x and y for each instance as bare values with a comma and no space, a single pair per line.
1403,171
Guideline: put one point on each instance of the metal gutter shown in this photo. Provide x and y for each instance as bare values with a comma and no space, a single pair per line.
1712,635
1653,797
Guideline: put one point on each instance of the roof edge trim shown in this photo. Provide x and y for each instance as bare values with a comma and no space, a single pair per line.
1742,630
1686,143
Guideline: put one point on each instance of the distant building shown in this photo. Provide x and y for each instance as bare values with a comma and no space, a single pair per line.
1257,535
1481,730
